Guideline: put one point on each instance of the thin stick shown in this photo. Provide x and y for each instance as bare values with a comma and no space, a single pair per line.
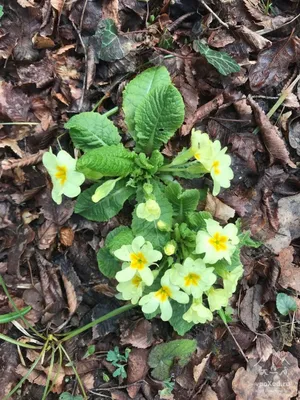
86,65
82,15
19,123
215,15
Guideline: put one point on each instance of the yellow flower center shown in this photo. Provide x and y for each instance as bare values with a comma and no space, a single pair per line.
215,166
218,241
138,260
163,293
61,173
197,155
191,279
136,281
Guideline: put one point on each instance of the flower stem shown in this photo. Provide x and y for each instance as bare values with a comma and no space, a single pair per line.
84,328
111,112
21,344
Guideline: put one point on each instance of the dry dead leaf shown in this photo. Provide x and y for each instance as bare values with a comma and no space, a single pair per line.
26,3
12,143
255,40
58,5
110,9
255,8
208,394
218,209
66,236
275,145
264,347
137,369
199,369
250,307
138,334
71,284
275,379
272,64
8,363
14,104
290,273
294,134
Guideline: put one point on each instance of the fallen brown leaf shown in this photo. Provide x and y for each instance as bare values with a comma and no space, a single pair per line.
264,347
208,394
272,64
275,379
250,307
290,273
8,364
218,209
274,144
137,369
139,334
14,104
255,40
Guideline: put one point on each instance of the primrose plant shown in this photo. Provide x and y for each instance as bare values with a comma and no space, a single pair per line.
172,259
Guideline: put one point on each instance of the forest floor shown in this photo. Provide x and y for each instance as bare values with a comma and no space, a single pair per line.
53,66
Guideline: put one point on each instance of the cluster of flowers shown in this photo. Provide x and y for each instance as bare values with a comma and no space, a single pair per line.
66,180
184,282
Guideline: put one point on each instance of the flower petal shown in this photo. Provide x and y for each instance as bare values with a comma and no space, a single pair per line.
147,276
125,275
180,297
150,306
64,158
166,310
123,253
71,190
137,243
50,162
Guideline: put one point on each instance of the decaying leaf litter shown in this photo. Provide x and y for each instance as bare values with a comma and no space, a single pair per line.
61,58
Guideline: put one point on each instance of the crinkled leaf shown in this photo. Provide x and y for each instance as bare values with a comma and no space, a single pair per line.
183,201
149,230
219,59
112,160
158,117
118,237
222,265
105,208
180,325
197,220
245,240
108,45
285,303
137,89
90,130
162,356
107,263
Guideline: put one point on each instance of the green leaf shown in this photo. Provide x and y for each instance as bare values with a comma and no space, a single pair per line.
180,325
162,356
219,59
183,201
105,208
158,117
118,237
197,220
108,45
108,264
69,396
112,160
90,130
149,230
222,265
285,303
5,318
245,240
1,11
137,90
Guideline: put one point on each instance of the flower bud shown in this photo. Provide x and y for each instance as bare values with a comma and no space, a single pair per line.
170,248
162,226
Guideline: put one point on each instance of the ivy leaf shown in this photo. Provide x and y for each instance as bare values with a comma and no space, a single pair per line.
162,356
285,303
137,89
112,160
108,45
90,130
183,201
147,229
1,11
105,208
158,117
219,59
180,325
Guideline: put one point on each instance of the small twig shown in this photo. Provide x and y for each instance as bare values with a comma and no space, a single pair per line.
19,123
178,21
174,54
82,15
215,15
86,65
